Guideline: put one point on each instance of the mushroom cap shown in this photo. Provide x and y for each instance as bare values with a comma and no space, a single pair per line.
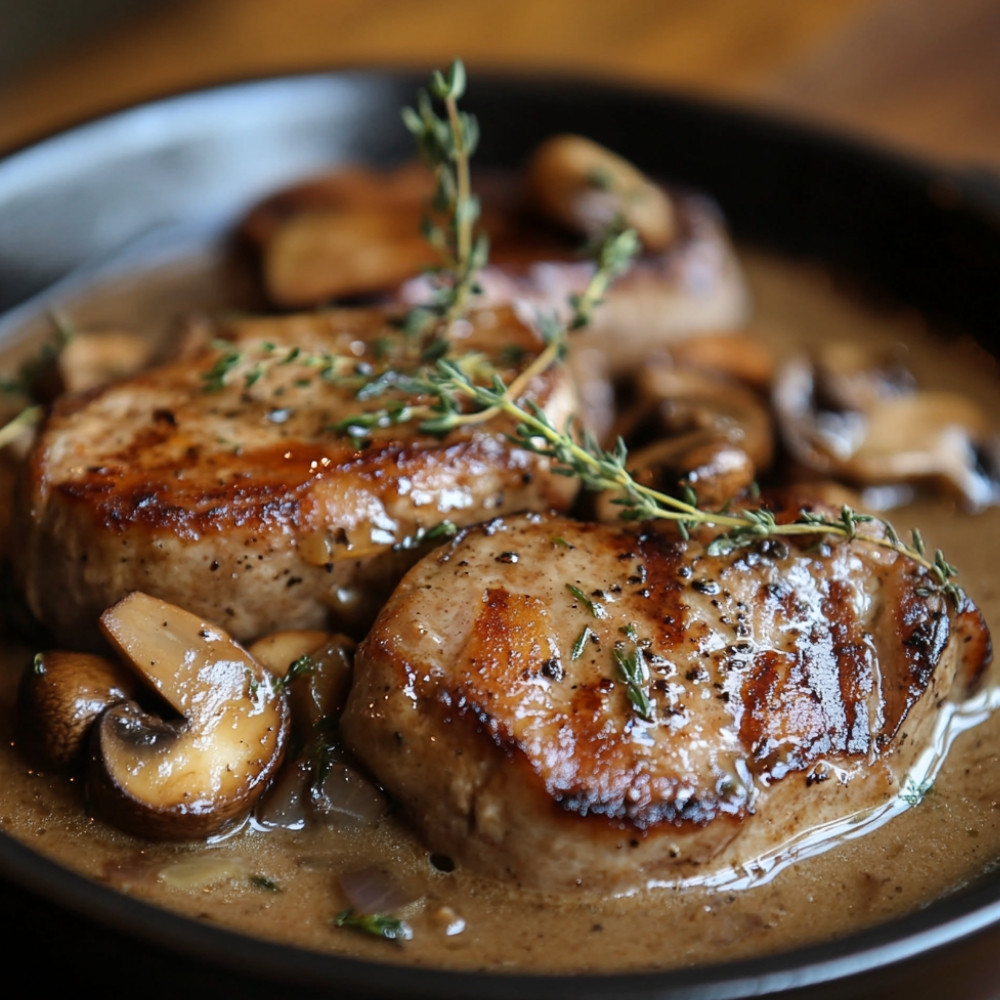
166,780
196,774
60,696
584,187
873,431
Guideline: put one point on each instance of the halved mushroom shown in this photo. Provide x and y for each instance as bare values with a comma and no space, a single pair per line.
584,187
323,255
688,400
323,667
705,433
870,427
355,231
61,694
192,775
321,783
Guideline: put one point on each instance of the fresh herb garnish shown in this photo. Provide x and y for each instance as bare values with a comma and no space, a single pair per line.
632,668
446,145
263,882
33,372
377,924
300,666
581,643
600,469
594,607
913,792
265,357
441,530
29,380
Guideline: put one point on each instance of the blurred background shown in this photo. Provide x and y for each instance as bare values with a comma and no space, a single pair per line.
923,75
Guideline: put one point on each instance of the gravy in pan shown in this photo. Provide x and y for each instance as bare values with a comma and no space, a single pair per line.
283,885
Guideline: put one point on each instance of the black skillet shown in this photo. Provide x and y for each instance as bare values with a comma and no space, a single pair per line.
181,170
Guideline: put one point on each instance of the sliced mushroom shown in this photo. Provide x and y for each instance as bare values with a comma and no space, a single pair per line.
324,663
705,433
61,695
689,400
584,187
320,255
715,470
346,186
737,355
355,231
189,776
321,782
870,427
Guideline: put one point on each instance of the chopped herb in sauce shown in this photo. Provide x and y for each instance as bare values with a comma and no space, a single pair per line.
376,924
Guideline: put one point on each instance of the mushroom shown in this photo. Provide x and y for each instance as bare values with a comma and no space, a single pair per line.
584,187
869,426
354,231
61,695
336,253
317,691
715,470
709,434
736,354
321,783
194,774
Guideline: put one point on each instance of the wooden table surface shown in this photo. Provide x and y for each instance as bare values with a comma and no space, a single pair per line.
923,75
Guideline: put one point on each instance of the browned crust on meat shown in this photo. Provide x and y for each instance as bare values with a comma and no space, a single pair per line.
238,500
763,664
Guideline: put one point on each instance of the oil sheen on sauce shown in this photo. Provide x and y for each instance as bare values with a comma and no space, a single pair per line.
282,885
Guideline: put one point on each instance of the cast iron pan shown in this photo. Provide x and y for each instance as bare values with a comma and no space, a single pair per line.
191,164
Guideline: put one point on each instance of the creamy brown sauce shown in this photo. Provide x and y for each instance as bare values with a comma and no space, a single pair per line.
282,885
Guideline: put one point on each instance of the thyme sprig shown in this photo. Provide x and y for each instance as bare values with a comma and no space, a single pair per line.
266,357
28,417
613,254
443,410
634,672
446,145
600,469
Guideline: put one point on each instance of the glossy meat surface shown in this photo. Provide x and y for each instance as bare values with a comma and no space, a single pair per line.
221,484
492,695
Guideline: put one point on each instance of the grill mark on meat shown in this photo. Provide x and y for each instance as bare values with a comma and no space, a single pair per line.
764,664
120,497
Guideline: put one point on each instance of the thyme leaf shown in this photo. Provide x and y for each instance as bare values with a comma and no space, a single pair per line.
594,607
27,417
632,668
377,924
914,792
446,144
581,643
299,667
437,532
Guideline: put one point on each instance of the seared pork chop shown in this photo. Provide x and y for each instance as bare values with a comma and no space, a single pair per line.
221,483
579,704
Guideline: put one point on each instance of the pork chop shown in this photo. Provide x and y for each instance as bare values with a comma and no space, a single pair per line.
574,704
222,484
